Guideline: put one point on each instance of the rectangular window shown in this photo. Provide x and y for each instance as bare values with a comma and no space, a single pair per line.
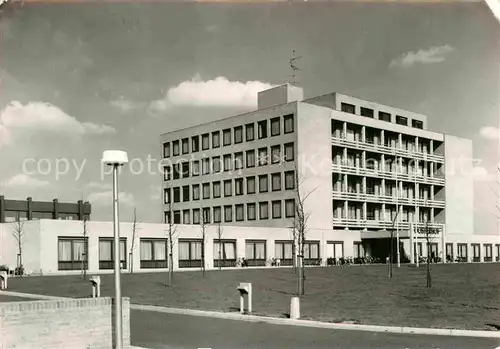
263,157
228,188
250,158
251,185
185,169
238,186
185,146
195,167
263,184
186,217
168,216
276,181
166,195
276,208
290,208
166,150
217,214
384,116
72,253
255,253
488,252
177,217
401,120
476,252
206,215
206,190
224,253
289,152
205,141
190,253
216,189
196,216
216,139
366,112
205,166
251,212
167,173
288,123
347,108
228,213
283,250
311,251
262,129
216,164
177,194
250,132
238,161
176,171
289,180
153,253
275,154
195,143
238,134
417,124
176,148
240,212
263,210
275,126
226,137
185,193
196,192
227,162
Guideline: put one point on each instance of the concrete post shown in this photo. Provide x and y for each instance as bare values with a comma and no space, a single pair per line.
295,308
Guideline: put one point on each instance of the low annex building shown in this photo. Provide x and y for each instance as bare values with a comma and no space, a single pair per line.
59,246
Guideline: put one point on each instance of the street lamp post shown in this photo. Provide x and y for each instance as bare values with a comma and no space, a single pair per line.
116,158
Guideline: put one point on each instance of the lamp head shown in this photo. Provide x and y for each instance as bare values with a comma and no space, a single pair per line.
114,157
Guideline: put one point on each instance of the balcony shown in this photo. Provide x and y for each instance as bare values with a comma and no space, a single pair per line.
376,173
386,199
382,149
376,224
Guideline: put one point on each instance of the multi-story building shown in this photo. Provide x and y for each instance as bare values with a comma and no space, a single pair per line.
11,210
365,168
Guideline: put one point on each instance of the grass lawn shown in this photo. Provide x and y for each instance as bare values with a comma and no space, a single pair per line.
4,298
463,296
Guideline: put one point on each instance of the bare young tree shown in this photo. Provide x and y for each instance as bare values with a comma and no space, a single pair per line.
429,234
171,236
203,231
19,235
85,246
300,220
135,227
294,247
218,232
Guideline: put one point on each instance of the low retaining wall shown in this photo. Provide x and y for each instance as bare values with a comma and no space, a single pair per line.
70,323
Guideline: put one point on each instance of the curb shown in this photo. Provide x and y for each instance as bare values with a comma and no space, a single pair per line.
290,322
319,324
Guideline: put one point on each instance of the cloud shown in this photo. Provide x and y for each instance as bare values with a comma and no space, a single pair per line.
106,198
99,185
435,54
219,92
490,132
125,106
17,118
24,180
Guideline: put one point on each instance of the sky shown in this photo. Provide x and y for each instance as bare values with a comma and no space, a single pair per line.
77,79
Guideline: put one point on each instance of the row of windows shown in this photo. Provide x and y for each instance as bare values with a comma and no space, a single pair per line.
384,116
230,187
229,213
229,162
273,127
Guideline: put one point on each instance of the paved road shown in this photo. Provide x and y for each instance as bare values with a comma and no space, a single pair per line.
168,331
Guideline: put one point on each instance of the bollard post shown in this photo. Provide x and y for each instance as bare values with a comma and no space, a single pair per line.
3,280
245,290
295,308
96,286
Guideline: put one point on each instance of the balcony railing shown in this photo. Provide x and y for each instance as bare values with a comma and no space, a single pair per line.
377,173
359,145
380,224
386,199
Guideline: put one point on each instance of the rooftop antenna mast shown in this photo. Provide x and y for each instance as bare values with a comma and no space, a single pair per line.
294,68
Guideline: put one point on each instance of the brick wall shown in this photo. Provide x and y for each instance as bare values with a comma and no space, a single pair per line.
70,324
